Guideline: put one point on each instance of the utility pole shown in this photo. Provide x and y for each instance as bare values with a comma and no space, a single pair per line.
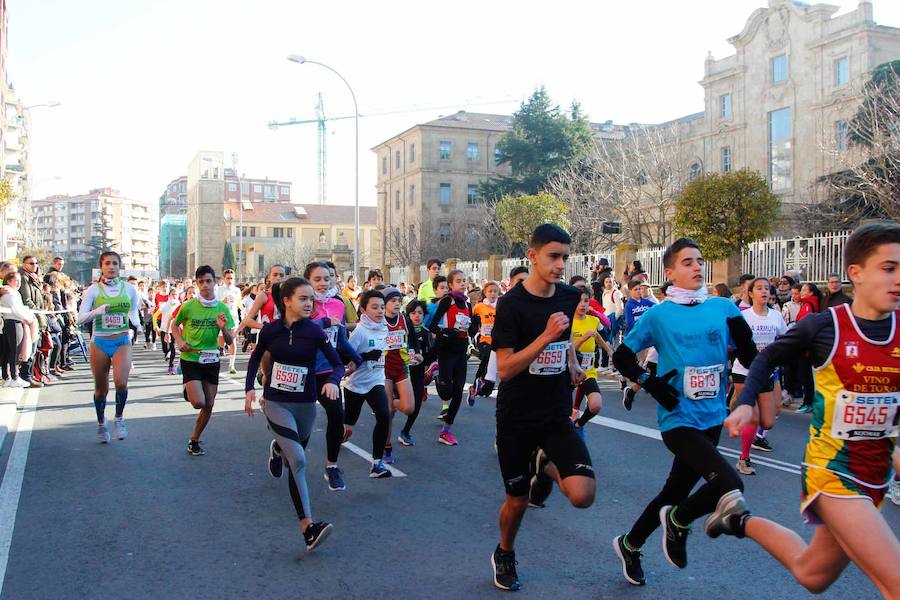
234,161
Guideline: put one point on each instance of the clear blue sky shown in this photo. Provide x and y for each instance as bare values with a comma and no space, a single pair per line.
144,85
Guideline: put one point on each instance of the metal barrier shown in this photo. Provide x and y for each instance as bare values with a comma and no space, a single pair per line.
814,257
652,262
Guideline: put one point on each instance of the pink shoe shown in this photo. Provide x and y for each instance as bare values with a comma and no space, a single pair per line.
447,438
171,370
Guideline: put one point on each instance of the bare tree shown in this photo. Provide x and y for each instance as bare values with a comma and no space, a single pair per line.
291,254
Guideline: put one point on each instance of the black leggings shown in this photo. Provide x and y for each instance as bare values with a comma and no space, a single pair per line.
696,456
452,362
377,400
10,345
334,432
170,352
417,379
484,355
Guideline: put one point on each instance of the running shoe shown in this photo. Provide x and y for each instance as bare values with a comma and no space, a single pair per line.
628,397
761,444
194,448
473,391
171,371
786,400
379,470
315,534
674,539
18,383
730,516
232,371
504,565
745,467
631,562
348,433
406,440
805,409
121,430
447,438
102,433
894,491
276,463
541,483
333,477
389,457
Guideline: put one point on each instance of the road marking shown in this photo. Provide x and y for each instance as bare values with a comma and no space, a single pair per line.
10,399
11,488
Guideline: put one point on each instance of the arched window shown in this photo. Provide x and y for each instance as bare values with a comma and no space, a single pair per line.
695,170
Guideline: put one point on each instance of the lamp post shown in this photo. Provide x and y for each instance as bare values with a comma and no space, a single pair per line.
302,60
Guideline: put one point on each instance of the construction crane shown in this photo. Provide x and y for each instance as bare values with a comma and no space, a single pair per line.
322,155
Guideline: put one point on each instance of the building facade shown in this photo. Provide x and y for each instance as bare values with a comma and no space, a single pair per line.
173,245
15,221
173,200
205,208
79,227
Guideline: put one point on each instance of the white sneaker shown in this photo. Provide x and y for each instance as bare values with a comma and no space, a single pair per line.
121,430
18,382
103,433
6,383
895,491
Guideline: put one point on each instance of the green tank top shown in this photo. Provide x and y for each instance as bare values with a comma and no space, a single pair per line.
115,319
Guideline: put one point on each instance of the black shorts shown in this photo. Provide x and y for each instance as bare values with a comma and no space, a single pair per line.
768,387
194,371
589,386
516,445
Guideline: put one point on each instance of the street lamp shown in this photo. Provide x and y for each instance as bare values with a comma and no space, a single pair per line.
47,104
302,60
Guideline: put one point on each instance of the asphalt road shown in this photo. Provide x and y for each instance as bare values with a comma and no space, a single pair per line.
141,518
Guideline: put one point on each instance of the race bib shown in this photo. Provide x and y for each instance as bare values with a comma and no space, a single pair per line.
288,378
865,416
395,340
113,321
331,334
379,364
208,357
462,322
587,361
551,361
486,330
702,383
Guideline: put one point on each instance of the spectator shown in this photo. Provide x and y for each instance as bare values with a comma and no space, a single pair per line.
835,295
744,282
18,317
811,302
30,290
783,293
601,270
791,309
722,291
426,288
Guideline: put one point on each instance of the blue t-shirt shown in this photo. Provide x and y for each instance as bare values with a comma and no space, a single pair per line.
694,340
635,309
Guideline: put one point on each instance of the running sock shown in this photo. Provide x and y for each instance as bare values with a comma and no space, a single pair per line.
761,433
747,435
100,407
445,429
121,399
231,361
586,416
445,406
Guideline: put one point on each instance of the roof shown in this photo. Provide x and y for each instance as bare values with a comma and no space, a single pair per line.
471,120
324,214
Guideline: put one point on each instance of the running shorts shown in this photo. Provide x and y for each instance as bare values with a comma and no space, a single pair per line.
194,371
818,481
516,446
396,370
589,386
109,345
769,387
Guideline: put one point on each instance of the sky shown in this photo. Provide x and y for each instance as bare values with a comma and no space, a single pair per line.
144,85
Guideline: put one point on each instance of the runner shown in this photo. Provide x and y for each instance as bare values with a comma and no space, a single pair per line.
165,315
452,325
334,291
853,433
415,312
161,295
426,288
230,295
112,305
585,338
635,308
366,384
401,346
766,324
293,343
264,304
692,334
537,367
196,329
484,313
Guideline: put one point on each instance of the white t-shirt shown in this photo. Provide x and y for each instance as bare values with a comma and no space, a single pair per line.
765,330
230,295
371,372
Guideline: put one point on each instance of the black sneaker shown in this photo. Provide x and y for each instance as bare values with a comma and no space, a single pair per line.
379,471
334,479
730,516
541,483
674,539
194,448
504,564
761,444
276,463
631,562
315,534
628,398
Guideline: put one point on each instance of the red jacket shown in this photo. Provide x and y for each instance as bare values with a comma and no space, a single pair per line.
807,306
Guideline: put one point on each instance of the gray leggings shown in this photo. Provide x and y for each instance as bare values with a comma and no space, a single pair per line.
291,424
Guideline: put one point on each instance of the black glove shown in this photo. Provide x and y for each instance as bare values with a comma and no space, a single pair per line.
662,392
371,355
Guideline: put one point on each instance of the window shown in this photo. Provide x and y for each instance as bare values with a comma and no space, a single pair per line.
726,159
384,165
290,231
285,190
278,232
412,233
412,153
257,188
445,194
412,195
842,71
444,232
270,192
260,263
471,236
780,146
497,155
245,187
695,170
472,151
232,187
397,200
397,159
472,195
841,130
779,68
445,148
725,106
253,231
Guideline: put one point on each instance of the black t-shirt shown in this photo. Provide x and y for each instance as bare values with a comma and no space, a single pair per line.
529,399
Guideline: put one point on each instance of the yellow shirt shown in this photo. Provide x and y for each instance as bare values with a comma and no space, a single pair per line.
586,353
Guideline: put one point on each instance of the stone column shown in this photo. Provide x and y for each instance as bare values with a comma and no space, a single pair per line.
495,267
625,253
726,271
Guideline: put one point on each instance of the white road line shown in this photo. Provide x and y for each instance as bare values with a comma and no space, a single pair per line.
758,461
11,487
10,400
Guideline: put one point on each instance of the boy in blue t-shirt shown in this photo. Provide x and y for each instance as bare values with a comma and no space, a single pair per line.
692,334
636,305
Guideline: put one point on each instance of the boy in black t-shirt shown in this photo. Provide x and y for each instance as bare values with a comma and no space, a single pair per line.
536,441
